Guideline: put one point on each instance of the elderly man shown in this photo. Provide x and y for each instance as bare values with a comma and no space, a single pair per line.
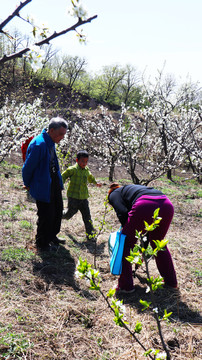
42,177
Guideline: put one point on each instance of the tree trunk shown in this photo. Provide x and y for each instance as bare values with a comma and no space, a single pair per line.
112,167
169,175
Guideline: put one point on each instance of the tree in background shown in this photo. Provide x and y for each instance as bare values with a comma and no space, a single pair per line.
172,110
105,85
129,86
69,69
115,85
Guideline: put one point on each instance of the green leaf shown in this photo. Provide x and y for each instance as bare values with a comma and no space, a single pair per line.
34,31
156,213
160,244
111,293
118,320
149,227
148,352
94,287
145,303
156,283
166,315
129,259
138,234
138,327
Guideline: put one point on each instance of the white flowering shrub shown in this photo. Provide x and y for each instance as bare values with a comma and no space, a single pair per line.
176,121
184,134
148,144
115,141
18,122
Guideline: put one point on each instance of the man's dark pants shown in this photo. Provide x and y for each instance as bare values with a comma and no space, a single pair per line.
49,215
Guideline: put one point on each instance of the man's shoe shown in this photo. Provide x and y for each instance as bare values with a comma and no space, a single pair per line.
64,214
58,241
47,248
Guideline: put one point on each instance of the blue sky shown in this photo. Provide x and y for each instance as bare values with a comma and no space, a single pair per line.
148,34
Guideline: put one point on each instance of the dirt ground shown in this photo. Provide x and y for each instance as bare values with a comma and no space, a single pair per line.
47,313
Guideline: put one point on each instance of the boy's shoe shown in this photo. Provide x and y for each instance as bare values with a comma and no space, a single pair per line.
123,291
91,236
58,241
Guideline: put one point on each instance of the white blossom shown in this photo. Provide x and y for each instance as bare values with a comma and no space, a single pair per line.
77,10
161,355
120,306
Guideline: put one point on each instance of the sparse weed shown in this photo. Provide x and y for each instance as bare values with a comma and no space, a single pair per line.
13,185
199,193
8,225
105,356
11,213
16,254
24,224
13,346
198,276
199,214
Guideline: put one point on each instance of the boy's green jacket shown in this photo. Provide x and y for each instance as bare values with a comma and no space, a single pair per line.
77,187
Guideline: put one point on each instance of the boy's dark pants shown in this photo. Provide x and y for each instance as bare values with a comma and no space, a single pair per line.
49,215
83,206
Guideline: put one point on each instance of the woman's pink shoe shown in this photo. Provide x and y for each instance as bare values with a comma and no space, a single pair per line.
123,291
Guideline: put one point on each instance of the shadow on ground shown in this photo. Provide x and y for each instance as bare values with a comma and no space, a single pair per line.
90,245
165,298
56,267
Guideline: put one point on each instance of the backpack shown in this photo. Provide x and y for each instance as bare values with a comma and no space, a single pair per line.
115,246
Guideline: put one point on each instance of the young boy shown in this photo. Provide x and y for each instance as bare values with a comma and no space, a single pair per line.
77,191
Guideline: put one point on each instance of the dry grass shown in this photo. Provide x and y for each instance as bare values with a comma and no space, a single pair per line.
46,313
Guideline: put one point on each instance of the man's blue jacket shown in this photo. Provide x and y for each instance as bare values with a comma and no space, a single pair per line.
36,169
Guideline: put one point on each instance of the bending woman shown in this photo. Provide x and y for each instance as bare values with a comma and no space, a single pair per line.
133,205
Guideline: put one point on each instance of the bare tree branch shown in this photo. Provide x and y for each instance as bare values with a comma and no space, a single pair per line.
72,28
15,13
19,54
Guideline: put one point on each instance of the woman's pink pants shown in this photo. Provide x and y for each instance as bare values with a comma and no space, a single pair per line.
143,210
